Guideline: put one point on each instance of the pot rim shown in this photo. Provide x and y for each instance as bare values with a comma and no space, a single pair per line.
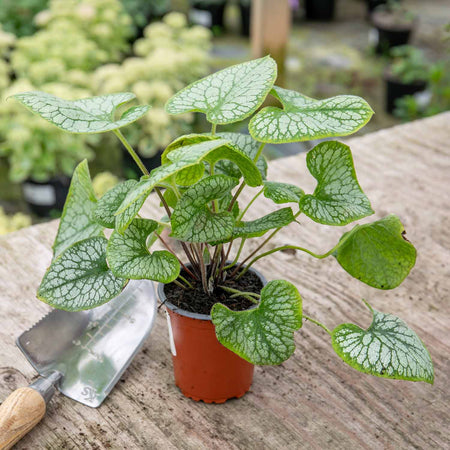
192,315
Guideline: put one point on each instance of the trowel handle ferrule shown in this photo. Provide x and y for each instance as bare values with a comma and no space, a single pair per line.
46,386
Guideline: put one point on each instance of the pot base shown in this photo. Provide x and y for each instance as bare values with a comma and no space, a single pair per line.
209,400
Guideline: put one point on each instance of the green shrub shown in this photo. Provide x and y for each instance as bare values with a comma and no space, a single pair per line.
16,16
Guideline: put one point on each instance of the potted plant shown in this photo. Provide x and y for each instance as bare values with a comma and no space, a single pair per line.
319,9
208,13
393,25
228,312
408,74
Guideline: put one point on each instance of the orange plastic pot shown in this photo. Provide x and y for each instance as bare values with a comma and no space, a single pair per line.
204,369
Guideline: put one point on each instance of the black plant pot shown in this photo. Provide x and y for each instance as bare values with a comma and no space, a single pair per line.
245,19
372,4
210,16
47,198
396,89
390,34
319,9
130,168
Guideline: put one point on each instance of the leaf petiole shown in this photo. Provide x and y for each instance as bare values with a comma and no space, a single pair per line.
321,325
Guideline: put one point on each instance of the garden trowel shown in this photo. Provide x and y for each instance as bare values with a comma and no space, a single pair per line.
82,354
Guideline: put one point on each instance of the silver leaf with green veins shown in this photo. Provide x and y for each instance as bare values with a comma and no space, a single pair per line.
338,199
388,349
80,278
128,255
265,334
193,221
88,115
282,192
229,95
303,118
377,253
78,220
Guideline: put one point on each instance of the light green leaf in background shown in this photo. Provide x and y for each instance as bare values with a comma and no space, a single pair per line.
229,95
80,278
88,115
193,221
338,199
109,203
258,227
377,253
78,220
282,192
303,118
128,255
265,334
388,349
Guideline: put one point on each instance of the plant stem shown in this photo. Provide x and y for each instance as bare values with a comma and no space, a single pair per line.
186,281
260,149
213,129
241,246
133,154
203,271
236,292
250,204
179,284
236,195
317,323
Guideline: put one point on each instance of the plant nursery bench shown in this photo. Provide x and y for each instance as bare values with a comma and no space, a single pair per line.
313,400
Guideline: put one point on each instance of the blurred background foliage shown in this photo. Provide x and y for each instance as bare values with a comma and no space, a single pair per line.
80,48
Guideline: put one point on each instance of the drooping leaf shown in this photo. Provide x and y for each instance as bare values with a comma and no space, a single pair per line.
78,220
282,192
184,141
265,334
258,227
80,278
88,115
110,202
303,118
247,145
388,349
128,255
377,253
193,221
338,199
229,95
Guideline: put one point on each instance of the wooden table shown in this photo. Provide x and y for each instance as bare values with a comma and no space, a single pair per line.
313,400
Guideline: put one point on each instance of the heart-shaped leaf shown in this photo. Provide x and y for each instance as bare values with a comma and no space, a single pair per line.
282,192
108,205
388,349
265,334
229,95
128,255
338,199
193,221
88,115
78,220
80,278
377,253
303,118
258,227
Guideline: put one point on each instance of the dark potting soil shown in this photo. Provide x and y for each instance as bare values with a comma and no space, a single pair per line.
197,301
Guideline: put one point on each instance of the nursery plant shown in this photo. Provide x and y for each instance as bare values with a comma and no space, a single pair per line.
198,188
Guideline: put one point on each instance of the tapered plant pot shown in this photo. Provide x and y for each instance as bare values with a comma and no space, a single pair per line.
395,90
320,9
46,198
204,369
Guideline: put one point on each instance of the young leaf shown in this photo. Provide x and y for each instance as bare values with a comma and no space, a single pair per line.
88,115
77,220
128,255
258,227
80,278
229,95
265,334
338,199
377,253
388,349
193,221
110,202
303,118
282,192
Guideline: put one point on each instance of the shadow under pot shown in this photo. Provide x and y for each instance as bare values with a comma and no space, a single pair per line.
46,199
319,9
204,369
130,168
395,90
389,33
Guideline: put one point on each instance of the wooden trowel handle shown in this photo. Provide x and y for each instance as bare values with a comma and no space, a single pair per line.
19,413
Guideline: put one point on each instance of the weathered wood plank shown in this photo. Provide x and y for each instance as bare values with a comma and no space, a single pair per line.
313,400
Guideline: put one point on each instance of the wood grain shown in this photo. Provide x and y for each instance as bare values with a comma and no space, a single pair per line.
313,400
19,413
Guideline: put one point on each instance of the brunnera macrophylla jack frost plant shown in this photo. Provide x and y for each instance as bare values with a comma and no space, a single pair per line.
199,184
